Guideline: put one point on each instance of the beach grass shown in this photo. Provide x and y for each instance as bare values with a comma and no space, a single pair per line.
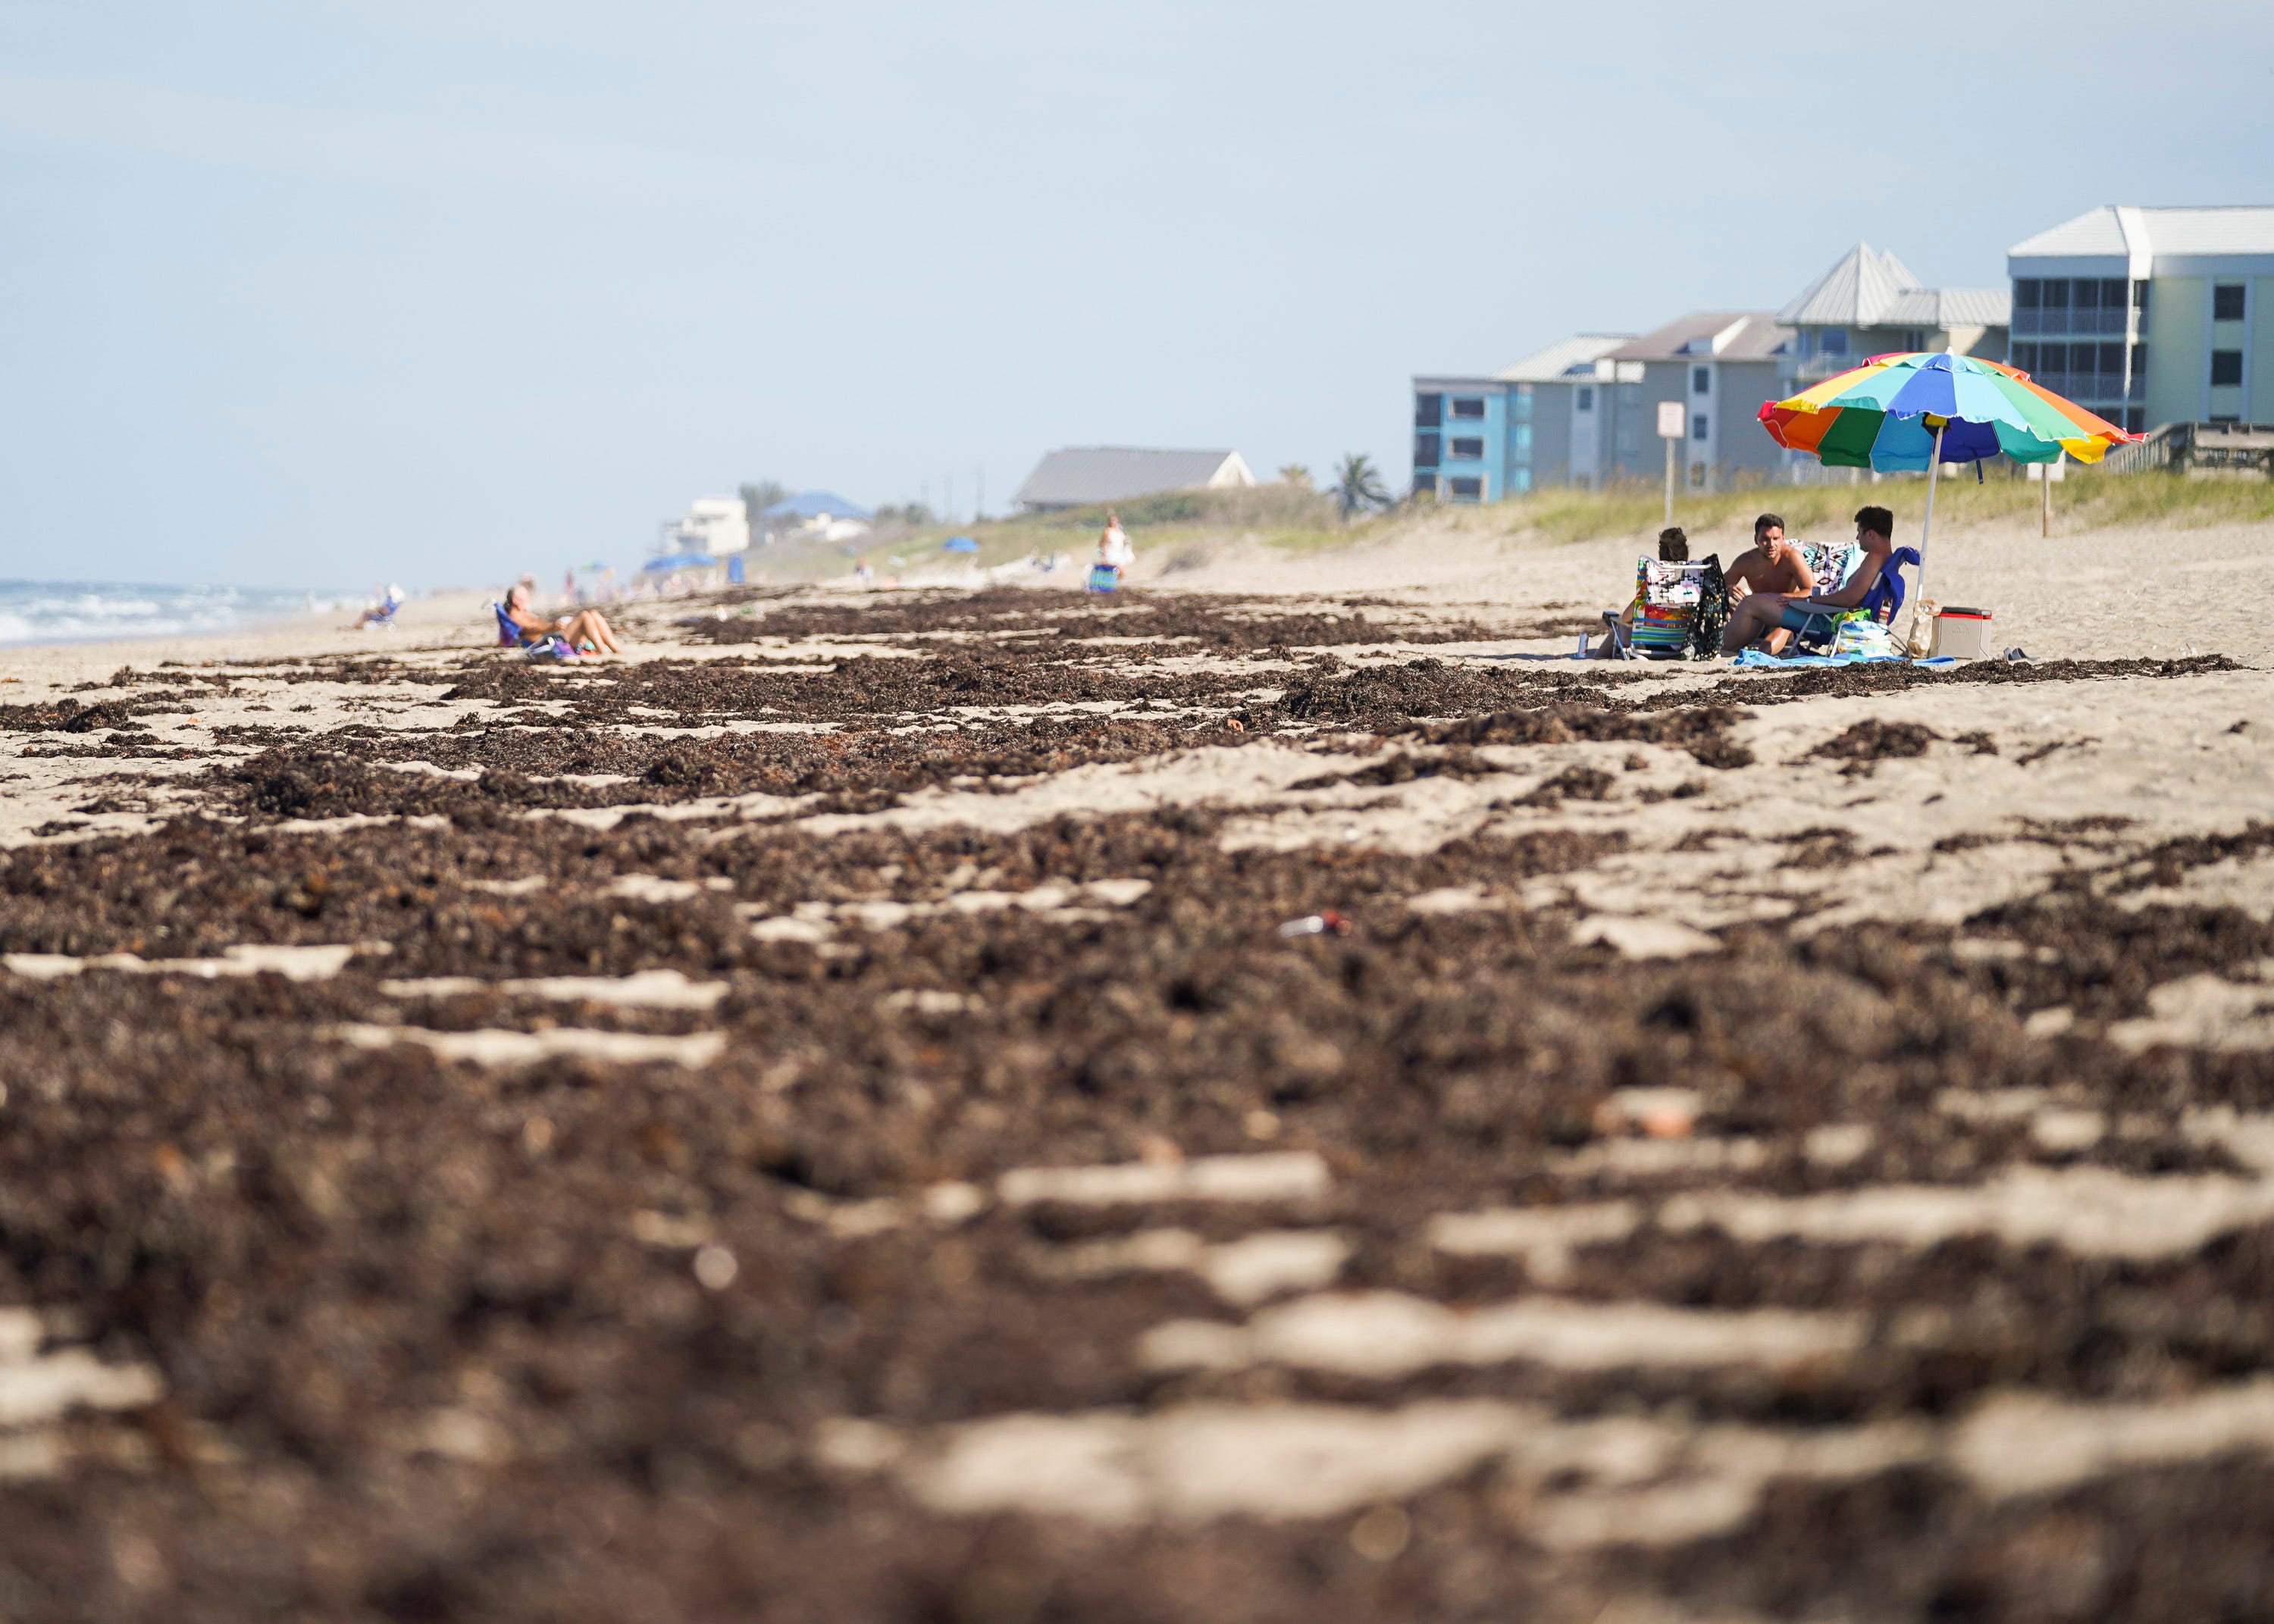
1188,529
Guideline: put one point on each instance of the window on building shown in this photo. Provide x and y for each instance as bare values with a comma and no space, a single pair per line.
1428,411
1586,402
1467,490
2112,359
1835,341
2227,301
1424,484
2025,293
2139,360
1467,450
1468,406
2135,418
2226,368
2084,294
2056,295
2025,356
2140,297
1698,426
1701,380
2225,416
2111,293
1425,451
1520,439
1914,338
2084,358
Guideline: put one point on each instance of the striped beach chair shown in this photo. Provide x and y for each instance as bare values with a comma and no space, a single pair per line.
1666,602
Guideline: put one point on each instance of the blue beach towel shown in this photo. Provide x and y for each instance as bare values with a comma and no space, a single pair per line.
1756,660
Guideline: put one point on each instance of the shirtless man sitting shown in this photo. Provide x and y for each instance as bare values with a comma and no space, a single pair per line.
1772,565
1766,615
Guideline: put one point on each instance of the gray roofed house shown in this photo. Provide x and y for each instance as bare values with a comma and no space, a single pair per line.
1579,355
1720,364
1086,476
1723,335
1870,303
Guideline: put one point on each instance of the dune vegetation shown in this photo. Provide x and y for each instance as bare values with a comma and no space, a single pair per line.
1186,527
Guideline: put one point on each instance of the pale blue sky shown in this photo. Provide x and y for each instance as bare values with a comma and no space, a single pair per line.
322,291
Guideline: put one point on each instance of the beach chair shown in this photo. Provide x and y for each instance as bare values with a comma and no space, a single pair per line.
1666,602
1879,604
508,630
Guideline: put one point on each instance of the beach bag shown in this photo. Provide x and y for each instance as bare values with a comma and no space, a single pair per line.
1103,578
1711,618
1921,637
1861,638
552,646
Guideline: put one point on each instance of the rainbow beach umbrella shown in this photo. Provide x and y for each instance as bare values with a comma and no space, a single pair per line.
1924,408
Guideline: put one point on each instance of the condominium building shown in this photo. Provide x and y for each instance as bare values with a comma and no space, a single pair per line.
2150,316
1477,439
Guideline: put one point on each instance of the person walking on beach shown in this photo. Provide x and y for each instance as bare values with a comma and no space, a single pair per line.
1776,616
1113,549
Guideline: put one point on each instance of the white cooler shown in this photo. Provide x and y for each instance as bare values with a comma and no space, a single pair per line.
1963,634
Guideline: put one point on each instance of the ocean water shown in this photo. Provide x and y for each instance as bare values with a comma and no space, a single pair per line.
97,611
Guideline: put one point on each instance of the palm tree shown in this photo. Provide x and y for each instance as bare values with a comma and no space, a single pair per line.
1358,487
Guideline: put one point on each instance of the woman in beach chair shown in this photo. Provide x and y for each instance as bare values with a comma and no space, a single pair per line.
381,613
587,630
1656,624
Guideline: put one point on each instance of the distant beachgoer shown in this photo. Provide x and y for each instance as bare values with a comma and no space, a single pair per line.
1673,548
381,613
1113,549
587,628
1776,616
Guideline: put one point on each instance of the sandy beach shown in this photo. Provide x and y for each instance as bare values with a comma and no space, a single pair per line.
1274,1094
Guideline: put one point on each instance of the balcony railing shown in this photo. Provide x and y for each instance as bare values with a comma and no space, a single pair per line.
2031,323
2087,387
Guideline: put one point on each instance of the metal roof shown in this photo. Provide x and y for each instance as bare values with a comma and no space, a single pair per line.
2101,233
1081,476
1950,307
1853,292
1709,335
1869,289
1565,357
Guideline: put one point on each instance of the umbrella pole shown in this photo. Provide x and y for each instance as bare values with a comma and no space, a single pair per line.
1926,529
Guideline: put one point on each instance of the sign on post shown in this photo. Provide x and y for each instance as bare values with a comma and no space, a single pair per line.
1670,415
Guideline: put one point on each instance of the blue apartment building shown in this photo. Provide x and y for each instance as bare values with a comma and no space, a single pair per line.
1471,438
1478,439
